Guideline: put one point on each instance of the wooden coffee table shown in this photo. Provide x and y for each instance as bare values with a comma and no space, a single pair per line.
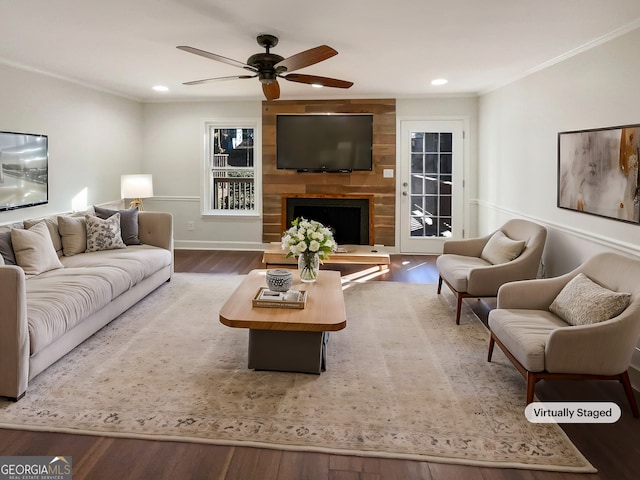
274,255
287,339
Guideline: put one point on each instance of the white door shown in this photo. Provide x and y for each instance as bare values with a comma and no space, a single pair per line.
431,200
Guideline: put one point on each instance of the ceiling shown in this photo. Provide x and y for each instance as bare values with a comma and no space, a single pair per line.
388,49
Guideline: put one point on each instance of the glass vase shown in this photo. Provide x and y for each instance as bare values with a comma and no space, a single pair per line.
308,266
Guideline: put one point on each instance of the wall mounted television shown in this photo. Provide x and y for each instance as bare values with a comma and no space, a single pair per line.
324,143
24,163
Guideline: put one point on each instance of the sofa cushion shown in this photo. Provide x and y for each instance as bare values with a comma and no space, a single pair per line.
123,268
524,333
501,249
455,269
103,234
59,300
34,249
128,223
583,302
73,234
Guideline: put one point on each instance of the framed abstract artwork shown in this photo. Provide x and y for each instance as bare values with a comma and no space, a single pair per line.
598,172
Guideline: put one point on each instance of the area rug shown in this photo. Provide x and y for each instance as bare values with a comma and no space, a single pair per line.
402,381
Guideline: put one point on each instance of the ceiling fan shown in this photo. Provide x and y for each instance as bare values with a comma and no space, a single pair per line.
269,66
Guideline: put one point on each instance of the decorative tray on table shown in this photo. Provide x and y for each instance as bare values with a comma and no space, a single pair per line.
289,299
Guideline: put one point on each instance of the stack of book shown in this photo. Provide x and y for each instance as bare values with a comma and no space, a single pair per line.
289,299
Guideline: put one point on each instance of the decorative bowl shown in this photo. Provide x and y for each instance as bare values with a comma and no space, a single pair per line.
279,279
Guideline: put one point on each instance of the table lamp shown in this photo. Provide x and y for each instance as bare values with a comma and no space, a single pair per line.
136,187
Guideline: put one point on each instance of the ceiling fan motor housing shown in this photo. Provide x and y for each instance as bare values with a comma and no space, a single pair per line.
264,64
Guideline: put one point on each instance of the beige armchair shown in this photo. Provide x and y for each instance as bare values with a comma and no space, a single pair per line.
470,270
542,345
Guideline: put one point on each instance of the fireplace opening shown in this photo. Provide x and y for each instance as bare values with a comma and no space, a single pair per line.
348,217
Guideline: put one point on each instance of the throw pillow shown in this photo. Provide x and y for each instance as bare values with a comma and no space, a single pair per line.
103,234
128,223
6,248
501,249
583,302
34,249
73,233
52,225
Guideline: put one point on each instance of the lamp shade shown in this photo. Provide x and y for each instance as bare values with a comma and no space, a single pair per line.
136,186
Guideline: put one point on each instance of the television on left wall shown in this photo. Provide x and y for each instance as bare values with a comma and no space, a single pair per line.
24,166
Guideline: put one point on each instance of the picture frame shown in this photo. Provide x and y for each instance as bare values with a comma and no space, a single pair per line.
598,172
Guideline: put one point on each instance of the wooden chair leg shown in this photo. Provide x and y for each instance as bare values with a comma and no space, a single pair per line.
439,284
626,383
531,386
492,343
459,309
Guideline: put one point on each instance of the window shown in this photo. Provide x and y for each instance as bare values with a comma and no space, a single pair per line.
431,184
232,153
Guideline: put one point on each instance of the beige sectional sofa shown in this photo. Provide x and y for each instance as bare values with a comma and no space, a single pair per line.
54,301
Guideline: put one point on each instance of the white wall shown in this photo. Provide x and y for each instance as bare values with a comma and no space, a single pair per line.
517,166
173,144
519,124
94,137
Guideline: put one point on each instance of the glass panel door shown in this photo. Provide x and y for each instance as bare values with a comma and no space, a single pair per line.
431,202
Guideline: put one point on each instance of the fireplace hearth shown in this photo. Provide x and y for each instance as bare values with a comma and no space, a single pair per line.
349,217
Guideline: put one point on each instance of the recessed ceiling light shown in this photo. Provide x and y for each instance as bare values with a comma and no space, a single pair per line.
316,85
161,88
439,81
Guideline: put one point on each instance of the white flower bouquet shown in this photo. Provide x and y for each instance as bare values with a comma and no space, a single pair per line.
308,237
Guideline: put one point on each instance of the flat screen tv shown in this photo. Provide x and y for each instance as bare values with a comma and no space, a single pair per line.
24,162
324,143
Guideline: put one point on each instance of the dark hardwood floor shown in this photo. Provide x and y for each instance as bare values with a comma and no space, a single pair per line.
613,449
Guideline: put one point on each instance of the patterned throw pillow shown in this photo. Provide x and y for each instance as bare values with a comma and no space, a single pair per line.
103,234
583,302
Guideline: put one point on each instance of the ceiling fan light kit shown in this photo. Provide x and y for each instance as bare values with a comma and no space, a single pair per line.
268,67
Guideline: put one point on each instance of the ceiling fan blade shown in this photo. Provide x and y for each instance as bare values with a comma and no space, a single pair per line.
306,58
315,80
213,56
271,90
216,79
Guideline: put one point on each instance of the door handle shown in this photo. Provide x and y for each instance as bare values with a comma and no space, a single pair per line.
405,193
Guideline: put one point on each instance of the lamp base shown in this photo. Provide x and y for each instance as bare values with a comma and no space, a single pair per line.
137,202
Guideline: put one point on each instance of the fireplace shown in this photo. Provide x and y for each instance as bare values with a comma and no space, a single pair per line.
349,217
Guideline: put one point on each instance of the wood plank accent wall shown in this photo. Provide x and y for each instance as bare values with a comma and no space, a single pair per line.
277,184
